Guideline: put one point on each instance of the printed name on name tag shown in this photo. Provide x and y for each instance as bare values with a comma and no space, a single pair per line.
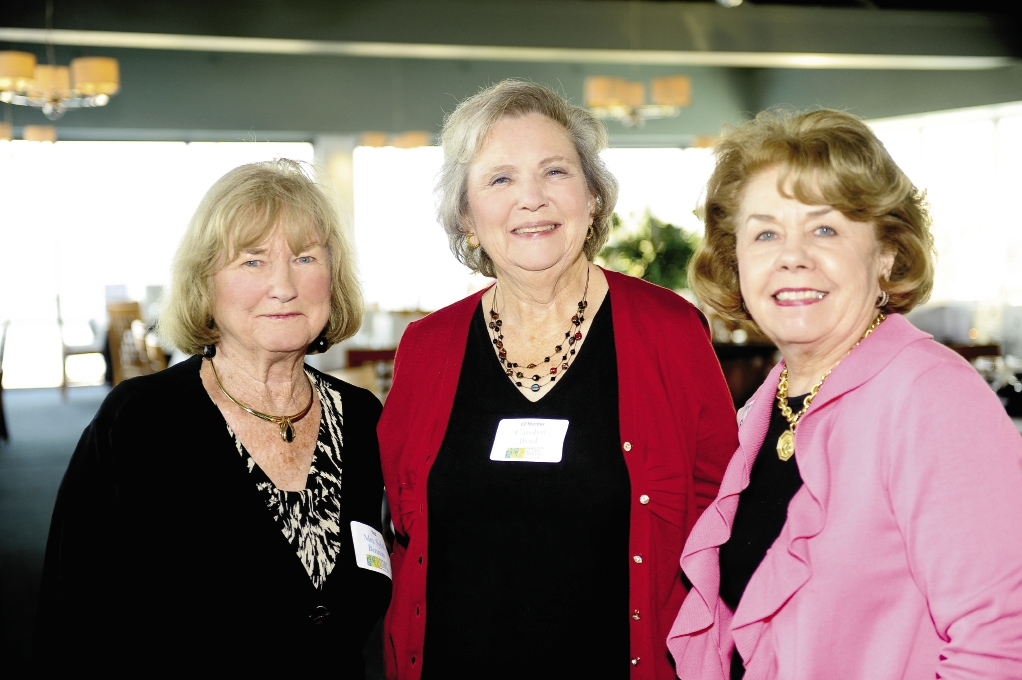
529,440
370,550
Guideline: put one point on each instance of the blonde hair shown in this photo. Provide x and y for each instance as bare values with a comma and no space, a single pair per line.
826,157
465,130
239,211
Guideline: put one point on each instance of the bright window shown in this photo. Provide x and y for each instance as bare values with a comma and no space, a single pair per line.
404,256
80,216
970,164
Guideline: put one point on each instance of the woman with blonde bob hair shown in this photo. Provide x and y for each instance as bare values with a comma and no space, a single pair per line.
203,518
544,454
869,525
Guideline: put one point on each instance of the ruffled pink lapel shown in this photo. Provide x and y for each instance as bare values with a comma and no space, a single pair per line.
786,567
701,608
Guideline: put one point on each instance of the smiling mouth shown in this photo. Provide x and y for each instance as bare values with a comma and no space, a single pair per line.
799,295
539,229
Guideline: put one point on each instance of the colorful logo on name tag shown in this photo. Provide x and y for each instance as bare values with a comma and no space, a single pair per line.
370,550
529,440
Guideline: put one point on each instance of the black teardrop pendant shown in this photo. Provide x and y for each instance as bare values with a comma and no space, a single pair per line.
287,432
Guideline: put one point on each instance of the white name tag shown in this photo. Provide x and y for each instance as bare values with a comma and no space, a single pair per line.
529,440
370,550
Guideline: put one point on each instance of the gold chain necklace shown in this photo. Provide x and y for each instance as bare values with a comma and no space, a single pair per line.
287,432
786,442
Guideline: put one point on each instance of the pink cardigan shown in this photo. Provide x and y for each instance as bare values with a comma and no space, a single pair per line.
902,553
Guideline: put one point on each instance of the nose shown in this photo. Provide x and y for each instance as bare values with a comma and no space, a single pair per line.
793,253
531,195
282,285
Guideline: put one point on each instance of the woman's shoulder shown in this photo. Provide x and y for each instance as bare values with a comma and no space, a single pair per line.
166,387
916,353
433,332
636,293
461,310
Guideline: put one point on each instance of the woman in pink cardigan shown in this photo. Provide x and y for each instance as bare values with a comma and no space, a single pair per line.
869,525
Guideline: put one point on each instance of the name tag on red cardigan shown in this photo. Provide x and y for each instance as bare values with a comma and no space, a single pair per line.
370,550
529,440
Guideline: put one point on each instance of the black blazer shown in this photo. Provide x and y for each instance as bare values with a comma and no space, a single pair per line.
162,553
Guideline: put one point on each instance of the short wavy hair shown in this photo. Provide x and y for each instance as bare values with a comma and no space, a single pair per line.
239,211
464,132
826,157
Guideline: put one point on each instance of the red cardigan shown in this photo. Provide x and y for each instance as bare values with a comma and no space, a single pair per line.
678,432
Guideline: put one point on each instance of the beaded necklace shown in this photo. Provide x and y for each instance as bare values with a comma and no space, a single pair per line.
515,371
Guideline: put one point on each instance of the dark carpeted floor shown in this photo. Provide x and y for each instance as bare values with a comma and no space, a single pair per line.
43,433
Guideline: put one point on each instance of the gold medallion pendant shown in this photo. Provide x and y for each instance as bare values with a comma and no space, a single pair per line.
786,442
786,445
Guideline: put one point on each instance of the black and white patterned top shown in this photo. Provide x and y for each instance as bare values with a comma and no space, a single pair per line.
310,518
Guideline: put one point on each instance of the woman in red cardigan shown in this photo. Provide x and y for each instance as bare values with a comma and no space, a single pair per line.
548,442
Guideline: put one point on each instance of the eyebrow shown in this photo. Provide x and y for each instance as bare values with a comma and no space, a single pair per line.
770,218
508,167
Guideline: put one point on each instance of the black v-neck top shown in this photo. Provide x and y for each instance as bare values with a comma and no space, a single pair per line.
761,514
526,559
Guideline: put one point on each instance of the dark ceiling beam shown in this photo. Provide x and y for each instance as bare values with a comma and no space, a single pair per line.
535,30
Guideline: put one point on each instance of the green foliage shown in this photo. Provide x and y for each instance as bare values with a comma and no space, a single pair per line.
657,252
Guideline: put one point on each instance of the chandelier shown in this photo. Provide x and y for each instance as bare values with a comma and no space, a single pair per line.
625,100
87,82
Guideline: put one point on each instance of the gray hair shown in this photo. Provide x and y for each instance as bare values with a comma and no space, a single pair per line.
463,135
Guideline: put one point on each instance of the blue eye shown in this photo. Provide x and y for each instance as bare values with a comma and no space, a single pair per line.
766,236
556,171
306,259
250,263
500,180
825,231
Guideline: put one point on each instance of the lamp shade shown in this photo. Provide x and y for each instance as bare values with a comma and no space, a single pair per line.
373,138
95,75
605,92
412,139
39,133
672,91
51,82
16,70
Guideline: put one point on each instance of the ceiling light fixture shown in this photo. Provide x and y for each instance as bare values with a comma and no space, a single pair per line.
88,82
625,100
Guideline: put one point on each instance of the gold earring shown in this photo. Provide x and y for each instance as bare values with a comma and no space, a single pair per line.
590,233
468,240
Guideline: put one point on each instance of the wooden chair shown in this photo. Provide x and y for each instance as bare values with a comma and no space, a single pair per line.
129,351
94,347
382,361
361,376
3,342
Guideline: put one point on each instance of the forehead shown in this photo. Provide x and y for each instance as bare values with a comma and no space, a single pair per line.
260,230
773,187
532,136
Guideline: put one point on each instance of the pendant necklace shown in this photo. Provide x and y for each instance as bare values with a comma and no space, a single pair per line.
786,442
517,372
287,431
